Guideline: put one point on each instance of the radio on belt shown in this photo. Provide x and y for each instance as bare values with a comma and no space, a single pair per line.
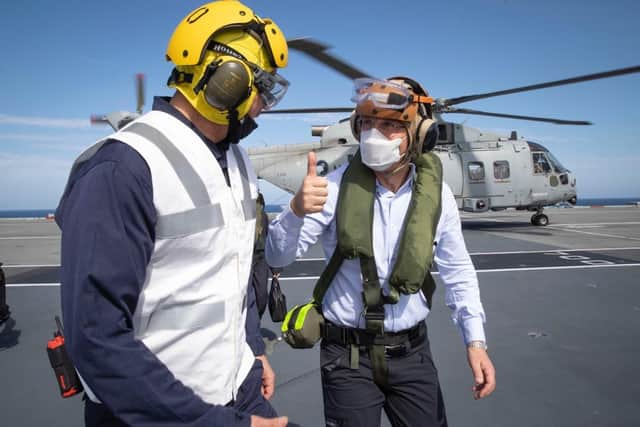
65,372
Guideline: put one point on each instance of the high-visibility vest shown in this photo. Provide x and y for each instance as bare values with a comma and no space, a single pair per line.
192,309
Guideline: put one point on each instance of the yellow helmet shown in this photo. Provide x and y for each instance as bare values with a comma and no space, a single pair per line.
225,55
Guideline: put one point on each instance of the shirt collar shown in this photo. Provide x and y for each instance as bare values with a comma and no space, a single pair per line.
381,190
162,103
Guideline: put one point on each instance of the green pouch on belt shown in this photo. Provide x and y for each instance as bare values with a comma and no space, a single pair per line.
302,326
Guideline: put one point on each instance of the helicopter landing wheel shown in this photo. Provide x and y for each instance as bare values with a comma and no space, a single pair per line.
539,219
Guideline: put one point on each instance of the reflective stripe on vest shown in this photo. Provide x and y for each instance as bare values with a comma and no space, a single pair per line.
177,318
205,215
248,203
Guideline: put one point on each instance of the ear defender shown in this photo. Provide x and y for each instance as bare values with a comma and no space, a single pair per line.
355,126
226,83
427,134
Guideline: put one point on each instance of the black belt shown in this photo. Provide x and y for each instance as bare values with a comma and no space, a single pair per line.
395,343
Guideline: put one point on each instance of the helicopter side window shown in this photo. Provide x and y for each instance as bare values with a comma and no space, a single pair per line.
540,163
442,132
501,169
476,171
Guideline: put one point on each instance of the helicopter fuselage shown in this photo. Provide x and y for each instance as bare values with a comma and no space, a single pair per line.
484,170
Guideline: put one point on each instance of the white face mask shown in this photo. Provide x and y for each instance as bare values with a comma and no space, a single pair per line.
379,152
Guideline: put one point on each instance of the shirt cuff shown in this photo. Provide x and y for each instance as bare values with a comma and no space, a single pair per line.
290,220
473,330
257,345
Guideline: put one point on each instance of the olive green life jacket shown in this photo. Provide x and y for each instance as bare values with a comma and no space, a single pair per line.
354,218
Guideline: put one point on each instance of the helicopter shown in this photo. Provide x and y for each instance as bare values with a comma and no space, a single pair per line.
485,171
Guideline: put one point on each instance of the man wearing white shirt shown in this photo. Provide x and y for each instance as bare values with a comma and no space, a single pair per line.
382,219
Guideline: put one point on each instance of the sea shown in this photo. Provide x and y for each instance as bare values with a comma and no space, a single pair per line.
44,213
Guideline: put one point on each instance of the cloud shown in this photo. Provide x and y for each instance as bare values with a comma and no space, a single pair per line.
31,181
307,118
52,141
44,122
29,137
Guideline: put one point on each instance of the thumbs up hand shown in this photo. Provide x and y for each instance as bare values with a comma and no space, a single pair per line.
313,192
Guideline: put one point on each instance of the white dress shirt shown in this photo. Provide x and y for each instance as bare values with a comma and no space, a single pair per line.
289,237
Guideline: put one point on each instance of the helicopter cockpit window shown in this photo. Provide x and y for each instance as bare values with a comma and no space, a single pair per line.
476,171
557,166
540,163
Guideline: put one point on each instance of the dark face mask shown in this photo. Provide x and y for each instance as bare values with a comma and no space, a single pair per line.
247,126
241,131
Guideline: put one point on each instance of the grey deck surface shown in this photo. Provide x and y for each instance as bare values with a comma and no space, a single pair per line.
563,312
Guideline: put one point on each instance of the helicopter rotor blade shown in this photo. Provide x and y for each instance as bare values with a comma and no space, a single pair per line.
318,51
603,75
139,92
310,110
514,116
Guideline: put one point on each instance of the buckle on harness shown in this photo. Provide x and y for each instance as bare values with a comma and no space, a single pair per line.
374,315
336,334
374,321
397,350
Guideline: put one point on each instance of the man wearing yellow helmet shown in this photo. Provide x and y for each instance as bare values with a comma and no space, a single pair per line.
158,227
382,220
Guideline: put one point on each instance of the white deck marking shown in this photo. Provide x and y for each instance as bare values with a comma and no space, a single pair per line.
32,285
592,233
595,224
508,270
29,237
29,265
496,270
522,252
554,250
570,227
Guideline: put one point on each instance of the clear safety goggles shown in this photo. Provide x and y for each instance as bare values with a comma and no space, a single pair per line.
382,93
272,87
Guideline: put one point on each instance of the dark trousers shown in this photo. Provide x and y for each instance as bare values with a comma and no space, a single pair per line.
352,399
249,400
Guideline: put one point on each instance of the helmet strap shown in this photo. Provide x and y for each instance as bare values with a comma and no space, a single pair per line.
211,68
178,77
235,127
225,50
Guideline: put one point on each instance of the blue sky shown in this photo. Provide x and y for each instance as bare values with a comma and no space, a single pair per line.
63,61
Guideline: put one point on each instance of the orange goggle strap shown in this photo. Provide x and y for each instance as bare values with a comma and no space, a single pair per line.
407,114
421,99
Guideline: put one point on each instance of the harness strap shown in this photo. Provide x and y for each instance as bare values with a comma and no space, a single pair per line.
327,276
410,273
374,318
